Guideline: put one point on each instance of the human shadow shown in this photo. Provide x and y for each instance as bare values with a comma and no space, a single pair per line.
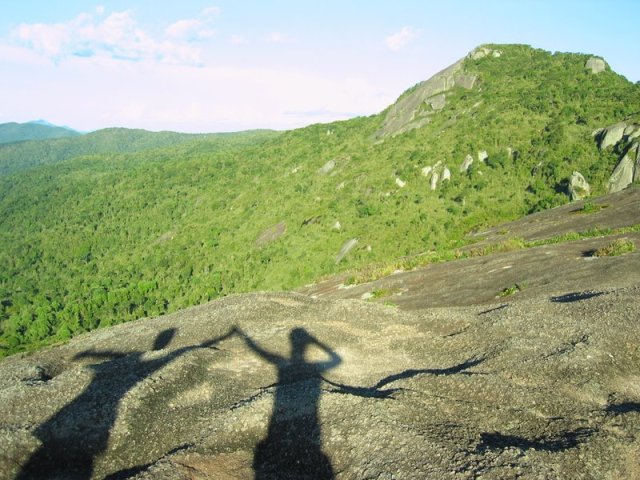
292,447
73,438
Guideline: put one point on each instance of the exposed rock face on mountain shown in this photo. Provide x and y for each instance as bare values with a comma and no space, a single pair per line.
611,135
482,52
624,136
458,381
627,170
414,108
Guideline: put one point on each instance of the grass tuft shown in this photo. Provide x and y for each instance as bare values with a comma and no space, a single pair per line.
620,246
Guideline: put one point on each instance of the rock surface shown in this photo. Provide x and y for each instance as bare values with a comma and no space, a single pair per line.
627,170
327,167
482,52
596,65
437,173
466,163
435,176
271,234
414,108
611,135
451,383
346,248
623,136
578,187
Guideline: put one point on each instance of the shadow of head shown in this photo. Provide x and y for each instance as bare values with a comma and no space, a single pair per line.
300,339
164,338
299,336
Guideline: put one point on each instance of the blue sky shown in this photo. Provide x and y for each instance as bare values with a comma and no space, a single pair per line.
206,65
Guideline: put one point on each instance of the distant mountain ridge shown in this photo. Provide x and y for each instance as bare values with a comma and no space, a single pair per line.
15,157
35,130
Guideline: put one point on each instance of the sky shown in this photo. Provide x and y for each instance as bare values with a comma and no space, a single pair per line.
230,65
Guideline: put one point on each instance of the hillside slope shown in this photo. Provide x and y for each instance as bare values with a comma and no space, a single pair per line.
97,240
547,254
539,384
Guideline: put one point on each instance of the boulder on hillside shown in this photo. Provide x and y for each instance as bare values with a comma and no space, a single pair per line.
327,167
609,136
627,171
578,188
346,248
434,180
482,156
482,52
632,131
596,65
436,173
270,234
468,160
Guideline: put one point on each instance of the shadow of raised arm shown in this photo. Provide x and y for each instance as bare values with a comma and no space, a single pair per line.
334,359
267,355
99,355
376,390
214,341
365,392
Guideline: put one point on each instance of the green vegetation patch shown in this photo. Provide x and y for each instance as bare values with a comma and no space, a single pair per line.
619,246
511,290
590,207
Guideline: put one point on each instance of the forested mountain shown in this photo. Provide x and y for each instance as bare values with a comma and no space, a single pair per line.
90,238
20,156
38,130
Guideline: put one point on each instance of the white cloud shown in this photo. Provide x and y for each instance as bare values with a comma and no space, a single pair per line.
12,54
401,39
238,39
277,37
194,29
189,30
117,36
